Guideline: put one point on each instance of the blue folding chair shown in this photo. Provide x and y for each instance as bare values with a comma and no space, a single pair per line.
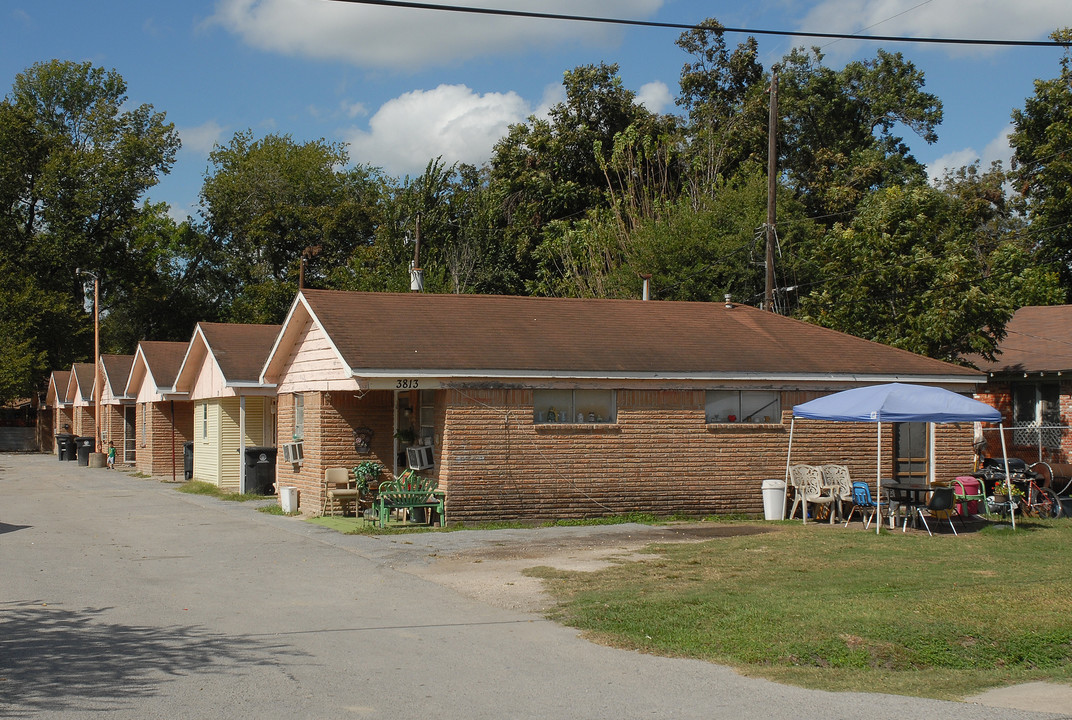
862,501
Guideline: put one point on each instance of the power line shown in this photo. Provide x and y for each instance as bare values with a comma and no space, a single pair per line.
690,26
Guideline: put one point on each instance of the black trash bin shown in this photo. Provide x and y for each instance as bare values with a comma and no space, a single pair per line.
65,446
84,446
188,460
260,470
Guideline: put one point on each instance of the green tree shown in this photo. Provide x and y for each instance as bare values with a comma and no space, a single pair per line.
1042,163
550,170
837,128
268,204
167,284
695,248
937,271
75,159
723,95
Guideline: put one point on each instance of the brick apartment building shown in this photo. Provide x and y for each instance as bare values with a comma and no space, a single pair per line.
79,399
117,421
569,408
56,401
163,419
1030,382
232,409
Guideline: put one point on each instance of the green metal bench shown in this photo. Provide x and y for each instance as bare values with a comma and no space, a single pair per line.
406,492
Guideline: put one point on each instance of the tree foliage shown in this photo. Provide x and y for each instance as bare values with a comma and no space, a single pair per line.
937,271
580,202
1042,163
75,159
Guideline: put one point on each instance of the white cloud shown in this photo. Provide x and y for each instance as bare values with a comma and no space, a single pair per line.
997,149
451,121
353,109
377,36
983,19
201,139
655,96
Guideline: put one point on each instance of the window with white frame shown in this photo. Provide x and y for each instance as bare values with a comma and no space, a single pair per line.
749,406
1036,410
299,417
427,417
204,421
574,406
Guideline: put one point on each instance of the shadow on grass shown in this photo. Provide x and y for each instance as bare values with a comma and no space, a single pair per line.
54,660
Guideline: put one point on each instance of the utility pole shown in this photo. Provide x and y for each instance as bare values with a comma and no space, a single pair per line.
772,188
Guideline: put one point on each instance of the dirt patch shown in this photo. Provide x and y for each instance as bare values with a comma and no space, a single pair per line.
494,573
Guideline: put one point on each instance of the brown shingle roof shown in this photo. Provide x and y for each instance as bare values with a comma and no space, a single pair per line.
57,387
240,350
117,371
1037,339
480,333
83,376
164,359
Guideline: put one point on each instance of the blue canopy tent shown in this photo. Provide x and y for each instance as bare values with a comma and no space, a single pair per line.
894,402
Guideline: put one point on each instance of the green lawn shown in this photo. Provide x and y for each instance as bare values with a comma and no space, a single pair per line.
844,609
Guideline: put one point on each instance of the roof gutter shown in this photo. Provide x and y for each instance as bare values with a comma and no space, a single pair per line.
752,376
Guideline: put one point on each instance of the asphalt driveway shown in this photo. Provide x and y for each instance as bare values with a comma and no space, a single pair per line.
120,595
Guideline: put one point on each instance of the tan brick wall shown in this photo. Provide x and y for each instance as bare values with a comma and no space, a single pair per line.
153,452
82,421
659,457
60,417
330,419
112,429
999,395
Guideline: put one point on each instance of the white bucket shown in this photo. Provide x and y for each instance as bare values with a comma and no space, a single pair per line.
773,499
288,499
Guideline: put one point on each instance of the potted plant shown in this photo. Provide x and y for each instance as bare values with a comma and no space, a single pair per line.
367,473
1001,492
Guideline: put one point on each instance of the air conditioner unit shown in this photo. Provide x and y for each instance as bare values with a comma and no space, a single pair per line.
293,452
420,457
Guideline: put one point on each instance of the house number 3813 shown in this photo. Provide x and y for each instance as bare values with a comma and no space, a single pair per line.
407,384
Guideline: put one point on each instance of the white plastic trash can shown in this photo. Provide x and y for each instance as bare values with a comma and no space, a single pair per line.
288,499
773,499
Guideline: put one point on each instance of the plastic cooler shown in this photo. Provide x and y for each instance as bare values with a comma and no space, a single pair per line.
968,485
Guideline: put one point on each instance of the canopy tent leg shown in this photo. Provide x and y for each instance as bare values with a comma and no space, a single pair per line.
1008,482
788,456
878,479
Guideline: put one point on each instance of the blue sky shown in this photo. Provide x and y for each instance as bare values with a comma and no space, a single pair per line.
401,86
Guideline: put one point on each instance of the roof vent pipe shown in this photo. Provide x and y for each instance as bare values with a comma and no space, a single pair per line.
647,287
729,301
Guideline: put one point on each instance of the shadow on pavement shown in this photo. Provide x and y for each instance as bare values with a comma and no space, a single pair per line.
54,659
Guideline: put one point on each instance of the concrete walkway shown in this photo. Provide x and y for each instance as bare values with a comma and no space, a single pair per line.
123,597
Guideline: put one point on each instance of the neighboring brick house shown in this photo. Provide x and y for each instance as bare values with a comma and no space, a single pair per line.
569,408
117,410
56,400
1030,382
232,409
80,400
164,420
